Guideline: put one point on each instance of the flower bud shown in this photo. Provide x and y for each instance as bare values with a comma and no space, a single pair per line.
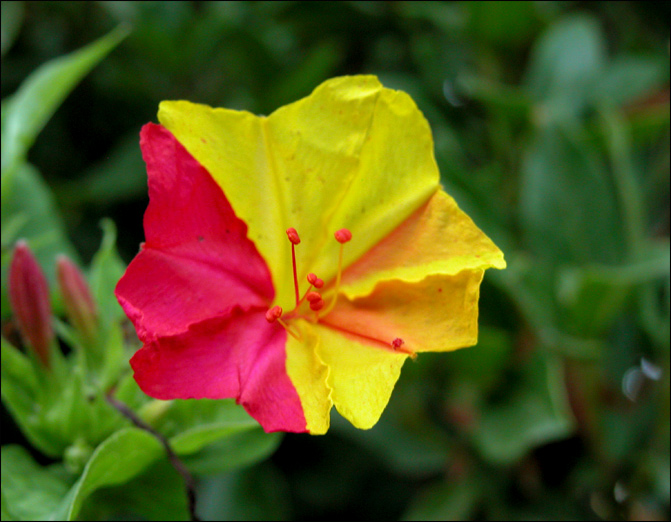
79,304
29,297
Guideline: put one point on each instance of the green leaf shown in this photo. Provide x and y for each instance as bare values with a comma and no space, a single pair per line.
565,63
20,396
193,424
29,491
235,451
629,78
106,270
28,207
446,501
29,109
259,493
568,208
121,457
593,296
534,413
158,493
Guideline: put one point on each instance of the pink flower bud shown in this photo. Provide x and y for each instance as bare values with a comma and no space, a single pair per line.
79,305
29,297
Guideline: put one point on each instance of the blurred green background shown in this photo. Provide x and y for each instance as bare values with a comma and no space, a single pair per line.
551,127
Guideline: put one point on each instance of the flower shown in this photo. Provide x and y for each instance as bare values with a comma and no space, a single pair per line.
241,289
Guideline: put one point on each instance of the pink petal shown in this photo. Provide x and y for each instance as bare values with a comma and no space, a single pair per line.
241,357
197,262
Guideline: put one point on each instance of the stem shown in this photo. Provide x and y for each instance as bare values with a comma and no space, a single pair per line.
189,483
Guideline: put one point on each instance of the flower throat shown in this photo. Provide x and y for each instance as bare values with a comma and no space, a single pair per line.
314,298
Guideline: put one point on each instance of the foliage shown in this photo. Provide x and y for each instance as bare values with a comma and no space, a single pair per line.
551,127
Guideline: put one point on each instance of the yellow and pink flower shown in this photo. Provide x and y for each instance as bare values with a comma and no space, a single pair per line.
294,262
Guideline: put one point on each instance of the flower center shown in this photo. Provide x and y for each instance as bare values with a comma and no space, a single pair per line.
315,300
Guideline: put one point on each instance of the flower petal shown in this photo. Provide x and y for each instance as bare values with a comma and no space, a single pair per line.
329,161
309,375
362,374
197,262
241,357
439,313
436,239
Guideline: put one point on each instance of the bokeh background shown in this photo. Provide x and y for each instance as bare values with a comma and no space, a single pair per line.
551,128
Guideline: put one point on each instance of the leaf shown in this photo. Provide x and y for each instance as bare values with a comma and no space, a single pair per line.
534,413
565,63
446,501
567,205
19,394
259,493
158,493
29,206
193,424
27,111
235,451
29,491
121,457
629,78
593,295
106,269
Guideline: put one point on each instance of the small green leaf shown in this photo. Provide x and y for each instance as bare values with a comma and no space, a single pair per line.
193,424
568,208
629,78
20,396
235,451
106,270
535,412
569,55
121,457
29,109
29,491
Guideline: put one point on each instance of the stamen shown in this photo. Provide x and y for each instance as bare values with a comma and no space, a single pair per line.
313,296
342,236
315,281
317,304
397,343
273,314
293,237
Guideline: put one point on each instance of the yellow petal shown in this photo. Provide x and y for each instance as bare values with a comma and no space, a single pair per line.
309,376
439,313
361,375
437,239
352,155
